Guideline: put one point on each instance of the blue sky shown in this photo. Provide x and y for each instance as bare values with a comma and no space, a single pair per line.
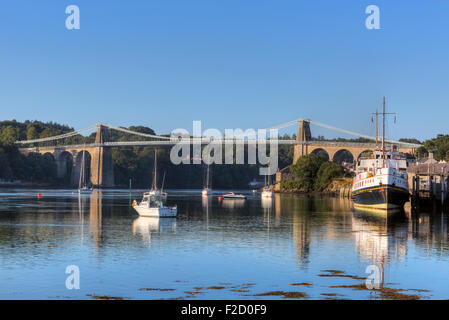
231,64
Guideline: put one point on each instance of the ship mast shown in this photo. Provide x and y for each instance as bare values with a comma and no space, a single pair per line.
383,132
377,128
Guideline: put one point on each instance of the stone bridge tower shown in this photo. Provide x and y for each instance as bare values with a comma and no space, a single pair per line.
302,135
102,168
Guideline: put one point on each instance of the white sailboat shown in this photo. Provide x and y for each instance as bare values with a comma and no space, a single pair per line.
207,190
152,205
83,187
267,192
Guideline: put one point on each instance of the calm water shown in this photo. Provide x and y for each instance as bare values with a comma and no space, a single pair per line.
213,250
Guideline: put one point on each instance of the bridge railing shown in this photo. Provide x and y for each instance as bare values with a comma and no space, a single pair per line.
209,140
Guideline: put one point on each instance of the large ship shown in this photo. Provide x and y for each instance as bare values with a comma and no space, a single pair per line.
381,183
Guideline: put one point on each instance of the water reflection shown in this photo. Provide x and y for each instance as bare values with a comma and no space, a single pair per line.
284,234
380,240
96,216
145,226
233,203
267,203
429,230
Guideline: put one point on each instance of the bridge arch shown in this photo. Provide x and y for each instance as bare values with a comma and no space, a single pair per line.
77,165
49,155
343,155
364,153
64,165
321,152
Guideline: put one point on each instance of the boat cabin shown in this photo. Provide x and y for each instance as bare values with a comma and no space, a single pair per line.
152,200
393,159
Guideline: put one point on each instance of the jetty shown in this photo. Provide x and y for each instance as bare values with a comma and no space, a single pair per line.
428,180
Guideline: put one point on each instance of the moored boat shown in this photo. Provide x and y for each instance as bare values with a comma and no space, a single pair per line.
207,190
232,195
267,193
381,183
152,205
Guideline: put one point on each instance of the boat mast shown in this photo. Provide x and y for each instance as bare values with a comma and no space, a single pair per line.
377,127
155,171
82,172
207,177
163,181
383,132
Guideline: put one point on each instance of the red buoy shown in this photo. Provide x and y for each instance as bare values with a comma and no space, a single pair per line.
219,198
39,195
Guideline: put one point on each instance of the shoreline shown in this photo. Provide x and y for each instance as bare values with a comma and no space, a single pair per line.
308,193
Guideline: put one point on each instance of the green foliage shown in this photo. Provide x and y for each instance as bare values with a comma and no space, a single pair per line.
327,172
9,135
291,184
439,146
285,152
421,152
5,169
32,133
312,172
33,168
410,140
306,168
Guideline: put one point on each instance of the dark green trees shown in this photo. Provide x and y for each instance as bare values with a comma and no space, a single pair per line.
313,172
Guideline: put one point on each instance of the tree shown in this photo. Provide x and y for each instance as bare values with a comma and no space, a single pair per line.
32,133
421,152
5,169
327,172
306,168
9,136
410,140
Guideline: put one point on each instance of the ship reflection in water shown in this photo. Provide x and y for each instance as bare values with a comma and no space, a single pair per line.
269,242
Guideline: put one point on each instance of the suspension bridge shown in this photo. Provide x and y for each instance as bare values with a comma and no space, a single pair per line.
100,151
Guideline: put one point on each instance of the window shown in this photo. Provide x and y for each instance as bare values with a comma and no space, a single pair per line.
155,201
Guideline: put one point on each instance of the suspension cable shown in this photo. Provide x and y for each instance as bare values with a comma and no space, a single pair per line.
58,137
135,133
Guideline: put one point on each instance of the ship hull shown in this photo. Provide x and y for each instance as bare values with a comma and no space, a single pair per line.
381,199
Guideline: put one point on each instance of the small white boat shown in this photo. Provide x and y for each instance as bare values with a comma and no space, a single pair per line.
232,195
267,193
207,190
152,206
84,190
